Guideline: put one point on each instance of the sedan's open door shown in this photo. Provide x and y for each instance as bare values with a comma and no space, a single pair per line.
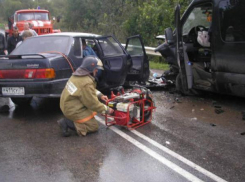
182,57
140,63
115,61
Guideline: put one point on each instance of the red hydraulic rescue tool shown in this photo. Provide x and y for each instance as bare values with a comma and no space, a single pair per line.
132,109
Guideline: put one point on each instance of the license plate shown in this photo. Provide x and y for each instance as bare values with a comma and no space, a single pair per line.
13,90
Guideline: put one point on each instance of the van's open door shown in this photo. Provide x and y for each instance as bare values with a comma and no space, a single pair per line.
140,64
182,58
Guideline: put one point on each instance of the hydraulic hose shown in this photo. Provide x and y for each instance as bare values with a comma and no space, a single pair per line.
66,58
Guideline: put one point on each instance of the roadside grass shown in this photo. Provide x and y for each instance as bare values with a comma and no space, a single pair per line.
1,26
159,65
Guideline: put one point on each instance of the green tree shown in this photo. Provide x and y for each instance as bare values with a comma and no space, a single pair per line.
152,17
10,6
122,18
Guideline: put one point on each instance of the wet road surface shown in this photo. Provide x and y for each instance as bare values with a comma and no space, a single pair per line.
186,141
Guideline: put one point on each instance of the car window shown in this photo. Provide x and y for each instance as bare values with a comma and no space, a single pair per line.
77,47
200,16
43,44
110,47
90,48
135,47
232,20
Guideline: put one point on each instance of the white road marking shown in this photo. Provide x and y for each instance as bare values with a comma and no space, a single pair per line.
155,155
179,157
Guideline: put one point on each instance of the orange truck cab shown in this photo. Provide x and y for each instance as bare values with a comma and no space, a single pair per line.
40,19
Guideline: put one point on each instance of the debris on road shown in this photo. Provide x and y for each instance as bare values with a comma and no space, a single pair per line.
177,100
217,106
214,103
193,119
212,124
171,107
243,133
219,110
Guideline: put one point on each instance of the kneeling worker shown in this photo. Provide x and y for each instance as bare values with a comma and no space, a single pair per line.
79,100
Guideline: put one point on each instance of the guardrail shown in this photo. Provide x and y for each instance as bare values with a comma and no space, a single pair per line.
149,51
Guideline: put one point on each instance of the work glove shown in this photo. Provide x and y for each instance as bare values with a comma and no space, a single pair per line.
110,111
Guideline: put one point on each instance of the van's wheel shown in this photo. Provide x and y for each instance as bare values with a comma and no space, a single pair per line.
21,101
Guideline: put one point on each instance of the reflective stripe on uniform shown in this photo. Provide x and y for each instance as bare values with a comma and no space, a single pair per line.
71,88
98,92
87,118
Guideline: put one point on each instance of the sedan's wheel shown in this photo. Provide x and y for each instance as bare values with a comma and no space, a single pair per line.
21,101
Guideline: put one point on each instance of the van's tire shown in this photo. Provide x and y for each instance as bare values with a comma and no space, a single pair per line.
21,101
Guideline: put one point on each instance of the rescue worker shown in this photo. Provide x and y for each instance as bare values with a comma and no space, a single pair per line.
13,40
79,100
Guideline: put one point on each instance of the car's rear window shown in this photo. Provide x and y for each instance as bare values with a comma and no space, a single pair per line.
43,44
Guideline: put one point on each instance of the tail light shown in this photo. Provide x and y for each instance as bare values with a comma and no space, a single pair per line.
48,73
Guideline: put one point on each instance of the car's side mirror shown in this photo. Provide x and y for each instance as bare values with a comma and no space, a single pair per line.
169,36
160,38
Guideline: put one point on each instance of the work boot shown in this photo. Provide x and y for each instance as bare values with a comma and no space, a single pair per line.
64,126
70,124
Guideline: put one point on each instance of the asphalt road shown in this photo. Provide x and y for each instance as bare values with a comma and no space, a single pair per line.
186,141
